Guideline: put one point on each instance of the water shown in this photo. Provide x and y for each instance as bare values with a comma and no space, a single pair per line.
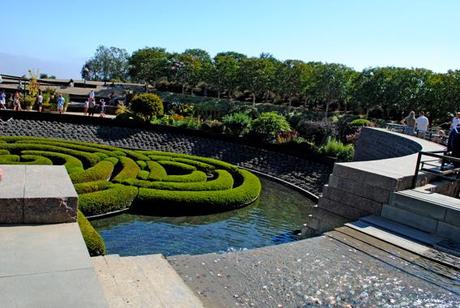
270,220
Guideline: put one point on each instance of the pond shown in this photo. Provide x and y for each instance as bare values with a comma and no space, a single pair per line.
271,220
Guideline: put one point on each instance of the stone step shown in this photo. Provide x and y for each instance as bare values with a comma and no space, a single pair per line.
142,281
165,280
428,204
387,224
407,238
409,218
425,269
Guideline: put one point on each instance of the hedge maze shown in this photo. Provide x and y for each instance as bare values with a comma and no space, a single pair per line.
108,178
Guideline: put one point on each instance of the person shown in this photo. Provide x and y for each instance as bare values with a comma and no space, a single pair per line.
85,108
453,144
92,106
102,106
92,95
60,103
409,121
3,100
40,101
421,125
455,121
17,102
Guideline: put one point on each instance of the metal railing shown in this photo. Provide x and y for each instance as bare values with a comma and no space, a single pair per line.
443,165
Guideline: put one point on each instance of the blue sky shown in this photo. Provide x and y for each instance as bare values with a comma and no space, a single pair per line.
60,35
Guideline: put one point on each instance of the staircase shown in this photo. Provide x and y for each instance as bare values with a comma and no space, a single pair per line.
142,281
426,211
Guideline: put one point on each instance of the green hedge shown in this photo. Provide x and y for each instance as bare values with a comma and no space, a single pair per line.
201,201
109,178
130,170
115,197
93,240
101,171
83,188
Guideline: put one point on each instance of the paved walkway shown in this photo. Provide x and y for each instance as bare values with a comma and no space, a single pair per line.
46,266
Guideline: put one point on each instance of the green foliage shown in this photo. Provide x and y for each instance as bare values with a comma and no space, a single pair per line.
114,197
108,63
84,188
101,171
202,201
237,123
269,124
361,123
335,148
146,105
130,170
93,240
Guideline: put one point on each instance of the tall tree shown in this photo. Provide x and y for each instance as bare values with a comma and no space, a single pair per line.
149,65
108,63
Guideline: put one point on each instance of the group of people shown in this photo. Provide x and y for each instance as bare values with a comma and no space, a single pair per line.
90,105
16,101
416,125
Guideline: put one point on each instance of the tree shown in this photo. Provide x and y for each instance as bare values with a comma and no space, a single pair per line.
257,75
224,74
146,105
149,65
108,63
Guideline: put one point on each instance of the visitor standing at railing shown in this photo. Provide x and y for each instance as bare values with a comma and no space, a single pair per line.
453,145
410,122
455,121
421,125
60,103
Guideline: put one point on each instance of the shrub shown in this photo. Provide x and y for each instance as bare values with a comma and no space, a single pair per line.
146,105
335,148
93,240
214,126
84,188
316,131
101,171
8,159
361,123
157,172
129,170
237,123
201,201
115,197
268,125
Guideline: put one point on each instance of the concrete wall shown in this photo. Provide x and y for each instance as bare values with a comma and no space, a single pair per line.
379,144
384,162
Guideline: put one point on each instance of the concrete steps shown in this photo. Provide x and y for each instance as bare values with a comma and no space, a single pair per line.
426,211
142,281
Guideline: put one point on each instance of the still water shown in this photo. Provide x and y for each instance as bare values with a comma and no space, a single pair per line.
270,220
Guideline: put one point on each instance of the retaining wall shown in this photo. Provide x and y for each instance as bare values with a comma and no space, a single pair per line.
384,162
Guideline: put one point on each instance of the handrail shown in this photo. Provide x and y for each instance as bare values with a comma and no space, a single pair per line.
443,158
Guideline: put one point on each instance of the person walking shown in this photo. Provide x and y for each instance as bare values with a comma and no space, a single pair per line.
410,122
102,106
92,106
3,100
85,107
421,125
17,102
60,103
40,101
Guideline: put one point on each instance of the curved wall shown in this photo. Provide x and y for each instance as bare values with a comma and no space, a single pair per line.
384,162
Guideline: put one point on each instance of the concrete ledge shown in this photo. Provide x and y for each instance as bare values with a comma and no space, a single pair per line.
37,195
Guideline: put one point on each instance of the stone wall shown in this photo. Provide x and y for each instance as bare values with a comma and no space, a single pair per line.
379,144
384,162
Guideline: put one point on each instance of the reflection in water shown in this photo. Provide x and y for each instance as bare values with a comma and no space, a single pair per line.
270,220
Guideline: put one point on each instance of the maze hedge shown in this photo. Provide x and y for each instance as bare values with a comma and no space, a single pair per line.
109,178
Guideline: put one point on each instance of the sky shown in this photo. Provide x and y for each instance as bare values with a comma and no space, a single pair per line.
57,37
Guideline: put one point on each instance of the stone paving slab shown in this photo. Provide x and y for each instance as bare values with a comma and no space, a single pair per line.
46,266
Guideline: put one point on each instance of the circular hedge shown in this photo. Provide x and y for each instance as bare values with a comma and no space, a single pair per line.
108,178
